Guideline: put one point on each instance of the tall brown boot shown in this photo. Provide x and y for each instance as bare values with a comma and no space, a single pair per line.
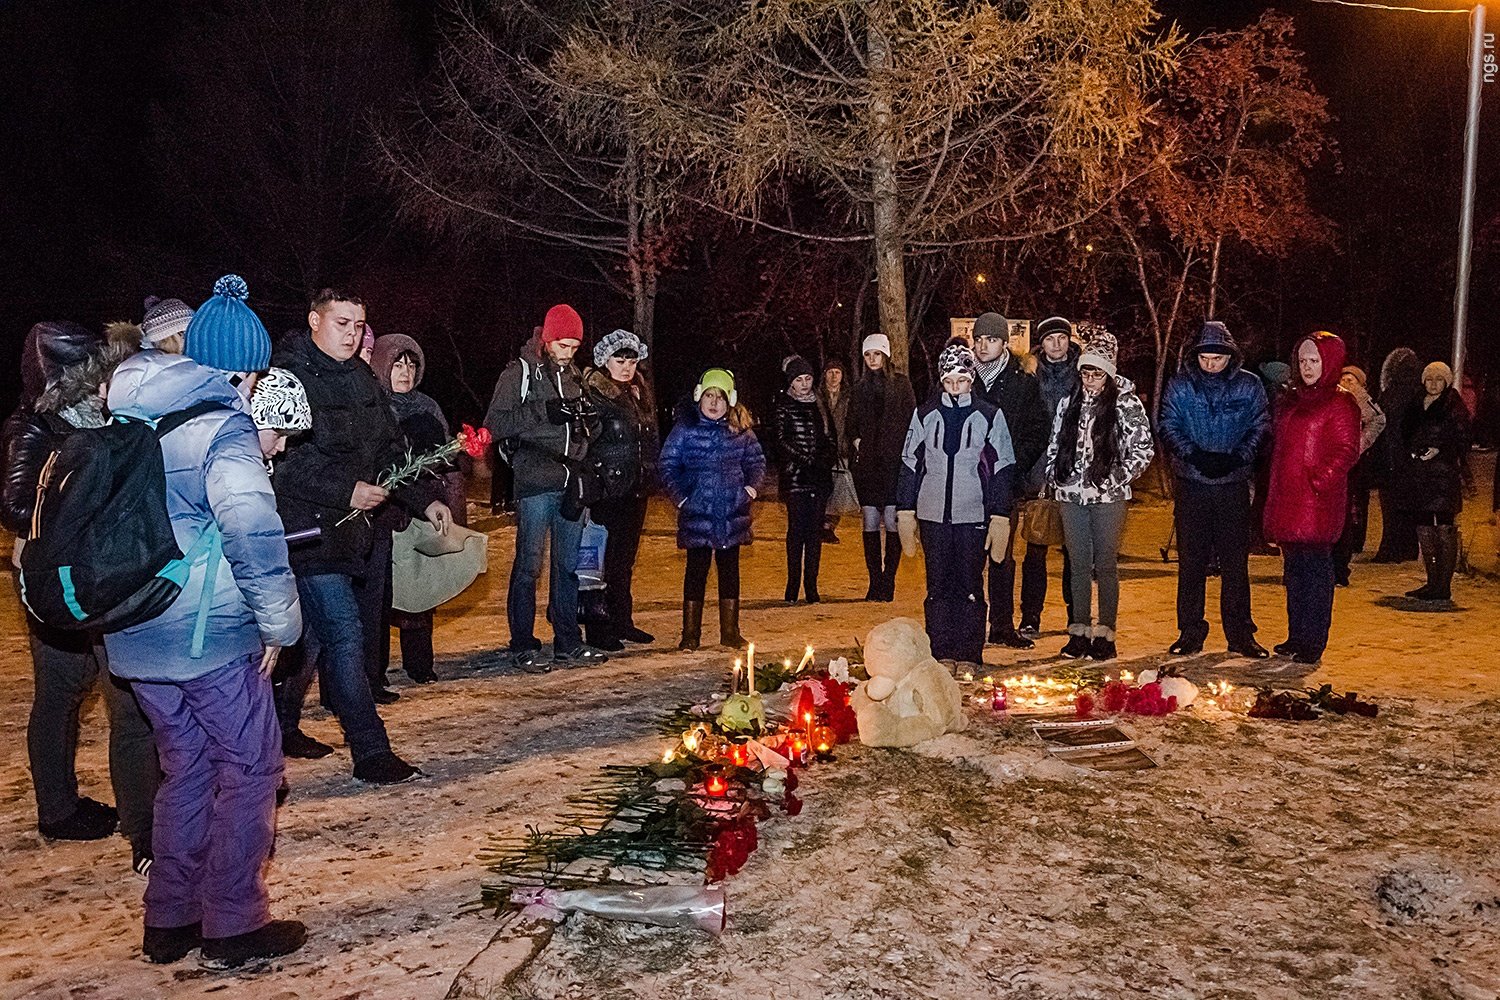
692,625
729,623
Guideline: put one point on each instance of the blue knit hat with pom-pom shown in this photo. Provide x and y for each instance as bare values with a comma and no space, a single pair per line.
226,334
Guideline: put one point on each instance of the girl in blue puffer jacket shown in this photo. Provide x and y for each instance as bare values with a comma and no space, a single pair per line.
712,467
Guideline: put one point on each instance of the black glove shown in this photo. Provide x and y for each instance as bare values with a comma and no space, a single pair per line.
558,412
1213,464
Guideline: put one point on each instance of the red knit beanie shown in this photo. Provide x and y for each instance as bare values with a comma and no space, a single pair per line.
562,323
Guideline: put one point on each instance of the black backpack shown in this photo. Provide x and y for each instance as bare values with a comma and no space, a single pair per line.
101,555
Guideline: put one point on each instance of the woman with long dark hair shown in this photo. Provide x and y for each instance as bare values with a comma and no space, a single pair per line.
880,410
1101,442
807,450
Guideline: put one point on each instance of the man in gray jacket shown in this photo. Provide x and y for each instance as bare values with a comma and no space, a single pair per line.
539,416
201,670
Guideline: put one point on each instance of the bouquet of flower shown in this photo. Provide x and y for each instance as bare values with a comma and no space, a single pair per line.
413,465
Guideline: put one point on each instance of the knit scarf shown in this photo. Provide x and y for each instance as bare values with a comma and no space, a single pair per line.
990,370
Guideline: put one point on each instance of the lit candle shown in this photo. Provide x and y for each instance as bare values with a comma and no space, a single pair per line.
716,786
734,686
666,758
808,718
750,668
806,659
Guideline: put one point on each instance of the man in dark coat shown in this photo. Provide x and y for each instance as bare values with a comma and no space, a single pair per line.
324,474
1004,382
1056,354
1214,421
539,413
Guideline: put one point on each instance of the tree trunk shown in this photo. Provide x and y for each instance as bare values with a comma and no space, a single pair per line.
890,267
1213,280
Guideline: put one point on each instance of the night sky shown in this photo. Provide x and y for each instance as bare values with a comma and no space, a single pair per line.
125,170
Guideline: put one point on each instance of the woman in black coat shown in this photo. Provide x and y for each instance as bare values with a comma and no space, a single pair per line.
1428,482
1400,390
621,454
880,412
807,451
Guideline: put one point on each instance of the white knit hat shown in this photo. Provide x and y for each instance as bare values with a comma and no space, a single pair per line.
877,342
1100,349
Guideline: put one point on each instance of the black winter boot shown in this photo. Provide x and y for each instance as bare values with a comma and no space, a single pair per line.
793,571
812,561
1077,648
279,937
1447,561
1427,545
729,623
416,654
872,566
165,945
692,625
892,563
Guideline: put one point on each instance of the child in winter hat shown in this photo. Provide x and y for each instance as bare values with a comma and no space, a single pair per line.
279,408
1100,349
226,334
165,319
957,359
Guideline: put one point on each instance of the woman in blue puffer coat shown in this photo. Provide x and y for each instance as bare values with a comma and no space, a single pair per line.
712,467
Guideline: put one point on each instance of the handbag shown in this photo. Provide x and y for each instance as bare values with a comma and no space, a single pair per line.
1041,522
843,500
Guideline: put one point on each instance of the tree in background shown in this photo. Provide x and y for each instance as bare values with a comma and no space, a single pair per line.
916,126
1224,178
506,136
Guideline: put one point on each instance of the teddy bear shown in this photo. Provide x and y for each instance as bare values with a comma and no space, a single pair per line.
909,697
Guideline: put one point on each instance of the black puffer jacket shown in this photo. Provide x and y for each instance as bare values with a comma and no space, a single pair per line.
805,446
880,410
354,438
1436,485
623,450
30,437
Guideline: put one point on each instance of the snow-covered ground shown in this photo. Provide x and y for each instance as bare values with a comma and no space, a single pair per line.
1252,863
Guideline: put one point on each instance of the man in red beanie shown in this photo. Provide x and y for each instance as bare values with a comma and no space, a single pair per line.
539,414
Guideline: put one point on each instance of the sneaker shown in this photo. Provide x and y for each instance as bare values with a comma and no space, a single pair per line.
639,636
279,937
300,746
533,661
582,656
90,821
385,769
1102,649
1077,647
1030,630
1010,638
165,945
385,696
140,864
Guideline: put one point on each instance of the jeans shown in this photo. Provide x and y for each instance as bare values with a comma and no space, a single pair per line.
874,517
1092,533
65,666
954,609
1213,519
695,583
804,542
216,809
625,519
1034,583
1307,572
335,640
536,518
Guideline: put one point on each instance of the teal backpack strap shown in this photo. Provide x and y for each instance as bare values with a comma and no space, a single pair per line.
211,542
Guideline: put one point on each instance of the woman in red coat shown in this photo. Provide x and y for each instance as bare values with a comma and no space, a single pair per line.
1316,444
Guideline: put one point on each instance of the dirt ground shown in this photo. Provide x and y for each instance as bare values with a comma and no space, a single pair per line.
1339,858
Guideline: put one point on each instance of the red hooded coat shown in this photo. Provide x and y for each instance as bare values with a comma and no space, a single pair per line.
1316,444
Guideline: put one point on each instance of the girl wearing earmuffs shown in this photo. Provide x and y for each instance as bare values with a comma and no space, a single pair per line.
712,467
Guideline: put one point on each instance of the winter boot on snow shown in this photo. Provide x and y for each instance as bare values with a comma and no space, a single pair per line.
892,563
165,945
1446,561
729,623
692,626
873,567
279,937
1427,545
1077,648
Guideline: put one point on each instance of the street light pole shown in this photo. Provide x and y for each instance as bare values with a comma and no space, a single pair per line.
1466,215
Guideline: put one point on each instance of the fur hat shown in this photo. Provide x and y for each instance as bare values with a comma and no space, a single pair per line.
1100,350
615,342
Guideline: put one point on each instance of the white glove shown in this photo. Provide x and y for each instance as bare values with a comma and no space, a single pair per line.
998,538
906,527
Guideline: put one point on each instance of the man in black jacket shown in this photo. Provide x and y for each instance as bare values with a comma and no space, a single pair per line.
323,475
1005,383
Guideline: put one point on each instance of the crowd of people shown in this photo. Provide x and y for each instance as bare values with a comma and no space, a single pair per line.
273,456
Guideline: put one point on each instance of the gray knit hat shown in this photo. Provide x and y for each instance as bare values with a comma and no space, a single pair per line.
1100,349
992,325
164,317
615,342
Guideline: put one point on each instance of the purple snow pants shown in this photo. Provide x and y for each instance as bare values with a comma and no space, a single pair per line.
220,749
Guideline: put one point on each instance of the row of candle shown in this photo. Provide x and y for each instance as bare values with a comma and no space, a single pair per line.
747,666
